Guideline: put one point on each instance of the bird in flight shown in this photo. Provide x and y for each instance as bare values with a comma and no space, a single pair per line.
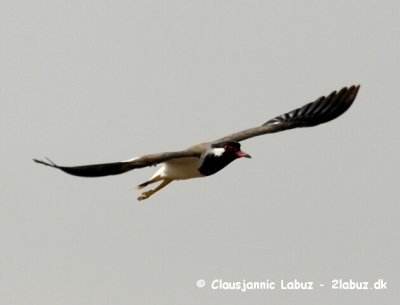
206,159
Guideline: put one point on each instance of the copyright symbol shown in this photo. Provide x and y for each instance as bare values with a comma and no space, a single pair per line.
200,283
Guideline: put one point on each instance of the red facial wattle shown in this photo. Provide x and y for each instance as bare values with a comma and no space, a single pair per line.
242,154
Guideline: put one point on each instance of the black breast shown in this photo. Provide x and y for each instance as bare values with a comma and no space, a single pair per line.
213,164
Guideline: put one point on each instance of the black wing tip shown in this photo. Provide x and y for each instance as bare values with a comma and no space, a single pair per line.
93,170
48,163
336,104
351,91
322,110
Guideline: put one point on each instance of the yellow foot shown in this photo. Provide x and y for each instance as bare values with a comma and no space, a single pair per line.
145,195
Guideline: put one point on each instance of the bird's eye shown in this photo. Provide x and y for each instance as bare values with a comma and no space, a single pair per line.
229,148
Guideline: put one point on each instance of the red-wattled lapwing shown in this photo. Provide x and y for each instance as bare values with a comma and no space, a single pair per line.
208,158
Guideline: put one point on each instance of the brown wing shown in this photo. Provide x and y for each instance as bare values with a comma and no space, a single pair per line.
106,169
318,112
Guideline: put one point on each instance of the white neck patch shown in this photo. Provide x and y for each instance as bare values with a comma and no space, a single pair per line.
218,151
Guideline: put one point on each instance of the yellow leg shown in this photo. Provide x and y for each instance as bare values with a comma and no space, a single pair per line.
153,180
148,193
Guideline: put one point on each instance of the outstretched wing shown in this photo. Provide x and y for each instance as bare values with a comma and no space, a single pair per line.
106,169
320,111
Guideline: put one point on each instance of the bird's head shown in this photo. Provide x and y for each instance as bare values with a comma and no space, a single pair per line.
220,155
228,149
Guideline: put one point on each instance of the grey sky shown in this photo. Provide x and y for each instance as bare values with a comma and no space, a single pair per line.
97,81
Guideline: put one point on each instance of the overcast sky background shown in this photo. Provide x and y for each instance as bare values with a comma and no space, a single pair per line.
96,81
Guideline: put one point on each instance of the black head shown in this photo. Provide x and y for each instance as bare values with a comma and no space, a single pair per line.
229,148
220,155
